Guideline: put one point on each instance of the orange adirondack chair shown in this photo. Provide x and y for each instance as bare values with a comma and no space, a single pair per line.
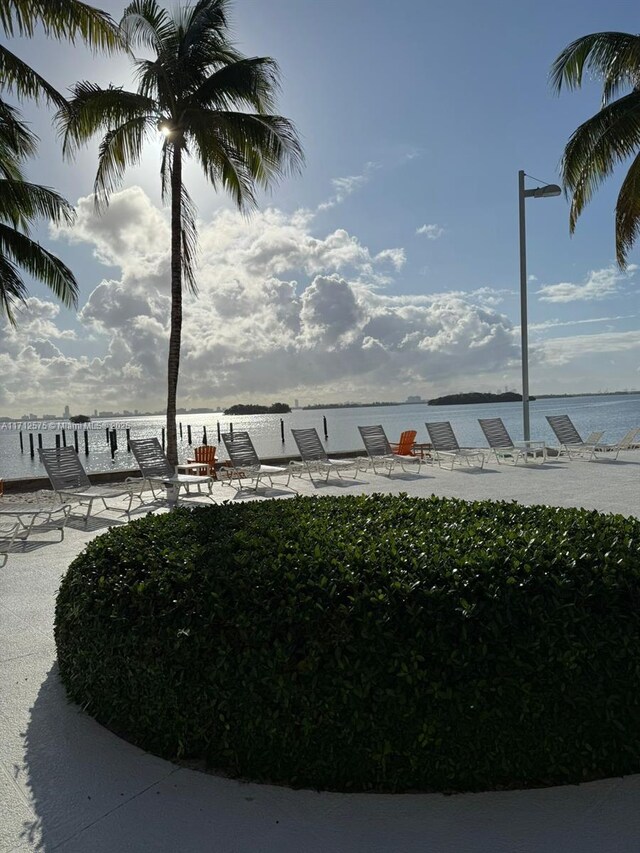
206,454
405,446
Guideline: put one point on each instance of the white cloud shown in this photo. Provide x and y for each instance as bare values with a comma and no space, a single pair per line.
279,309
599,284
344,187
130,229
431,232
554,324
396,257
561,351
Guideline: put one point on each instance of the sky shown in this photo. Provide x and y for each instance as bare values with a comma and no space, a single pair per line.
389,267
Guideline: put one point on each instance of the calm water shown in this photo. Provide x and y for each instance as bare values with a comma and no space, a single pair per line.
615,415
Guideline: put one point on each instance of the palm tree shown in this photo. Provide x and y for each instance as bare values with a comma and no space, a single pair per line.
193,90
609,137
21,202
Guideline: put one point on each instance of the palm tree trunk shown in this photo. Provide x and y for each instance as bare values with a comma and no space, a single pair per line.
176,302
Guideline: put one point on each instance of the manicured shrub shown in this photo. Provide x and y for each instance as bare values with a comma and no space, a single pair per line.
371,642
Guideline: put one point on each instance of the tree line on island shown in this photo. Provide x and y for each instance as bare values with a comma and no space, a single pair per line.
477,397
254,409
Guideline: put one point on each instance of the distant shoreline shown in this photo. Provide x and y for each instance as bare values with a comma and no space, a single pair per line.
314,406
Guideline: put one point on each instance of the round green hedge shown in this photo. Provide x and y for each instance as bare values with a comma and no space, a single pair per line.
365,642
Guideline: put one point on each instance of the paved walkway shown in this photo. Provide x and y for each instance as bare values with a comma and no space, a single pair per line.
67,784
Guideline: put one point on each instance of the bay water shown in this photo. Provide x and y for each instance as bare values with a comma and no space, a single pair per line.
614,414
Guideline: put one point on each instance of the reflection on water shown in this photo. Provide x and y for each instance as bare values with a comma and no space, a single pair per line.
614,414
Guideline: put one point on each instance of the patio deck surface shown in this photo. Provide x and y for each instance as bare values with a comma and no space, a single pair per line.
67,784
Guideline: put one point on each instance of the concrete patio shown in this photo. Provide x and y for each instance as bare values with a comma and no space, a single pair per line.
69,785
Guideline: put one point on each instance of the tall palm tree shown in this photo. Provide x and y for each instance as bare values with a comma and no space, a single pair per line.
609,137
193,90
21,203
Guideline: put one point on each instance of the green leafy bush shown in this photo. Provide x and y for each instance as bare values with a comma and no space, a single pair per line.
372,642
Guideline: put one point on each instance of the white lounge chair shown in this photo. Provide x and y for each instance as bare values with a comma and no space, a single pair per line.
157,470
32,518
69,480
569,440
379,450
245,462
627,442
504,448
446,448
313,456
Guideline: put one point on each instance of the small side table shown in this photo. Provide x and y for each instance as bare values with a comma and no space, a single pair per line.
200,469
425,449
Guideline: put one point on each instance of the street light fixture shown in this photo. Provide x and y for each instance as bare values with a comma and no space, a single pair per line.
545,191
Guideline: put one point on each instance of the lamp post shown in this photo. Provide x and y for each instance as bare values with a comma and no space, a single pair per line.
539,192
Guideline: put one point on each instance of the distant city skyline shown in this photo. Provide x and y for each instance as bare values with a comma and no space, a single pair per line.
389,268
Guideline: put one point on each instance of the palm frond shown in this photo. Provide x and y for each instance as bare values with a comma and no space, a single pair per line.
16,16
145,24
69,19
12,288
92,108
223,164
18,77
612,57
269,143
119,148
189,241
24,252
155,82
22,202
203,17
251,82
596,147
628,213
205,27
17,142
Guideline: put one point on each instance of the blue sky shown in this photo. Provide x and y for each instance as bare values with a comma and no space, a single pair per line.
389,267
